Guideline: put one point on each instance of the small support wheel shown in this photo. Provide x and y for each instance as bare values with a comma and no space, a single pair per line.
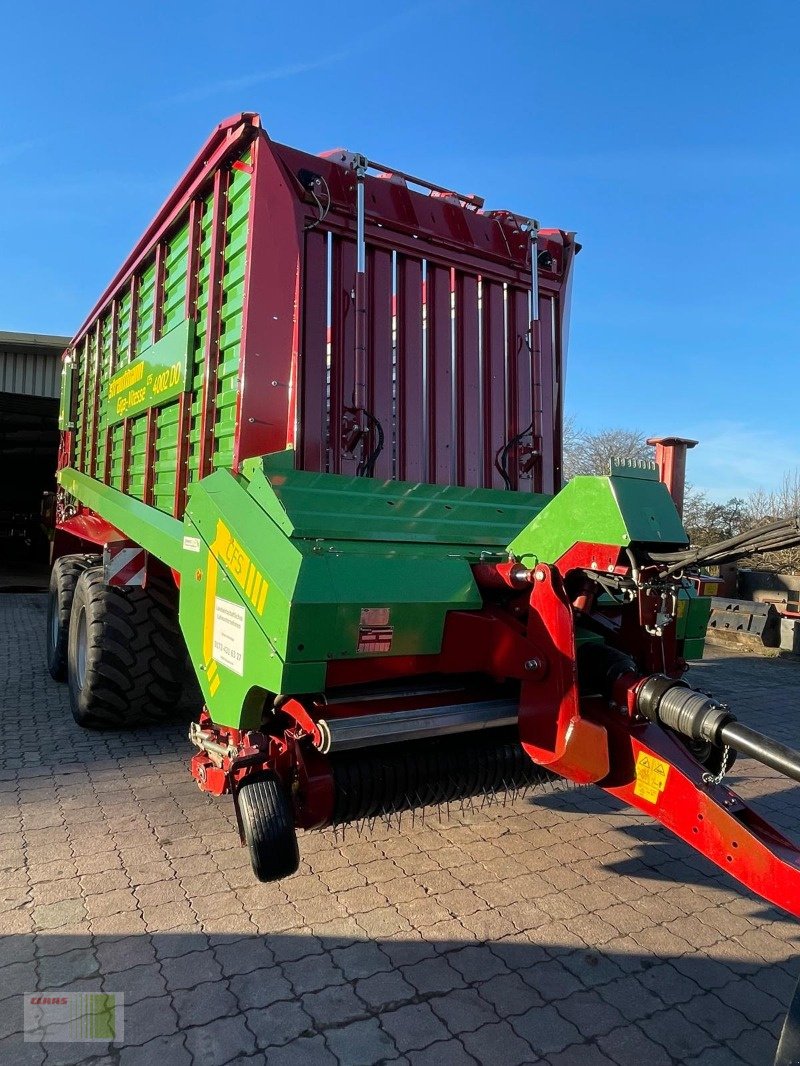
268,827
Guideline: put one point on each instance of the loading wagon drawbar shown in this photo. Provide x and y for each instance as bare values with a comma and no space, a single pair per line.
311,436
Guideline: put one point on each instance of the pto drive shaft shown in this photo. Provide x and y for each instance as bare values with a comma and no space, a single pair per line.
675,705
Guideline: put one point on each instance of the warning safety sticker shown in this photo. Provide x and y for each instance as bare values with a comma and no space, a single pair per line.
651,777
229,621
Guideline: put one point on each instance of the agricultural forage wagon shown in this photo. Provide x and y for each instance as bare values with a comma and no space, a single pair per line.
312,437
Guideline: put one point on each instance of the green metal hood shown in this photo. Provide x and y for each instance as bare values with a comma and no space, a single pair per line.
335,507
629,506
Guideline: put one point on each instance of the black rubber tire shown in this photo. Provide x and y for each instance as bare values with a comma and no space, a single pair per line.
268,827
63,579
131,669
788,1051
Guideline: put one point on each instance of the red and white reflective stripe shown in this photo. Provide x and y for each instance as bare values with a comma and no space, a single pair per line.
124,565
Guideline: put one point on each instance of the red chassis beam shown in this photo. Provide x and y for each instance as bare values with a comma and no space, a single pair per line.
605,741
87,525
85,530
711,817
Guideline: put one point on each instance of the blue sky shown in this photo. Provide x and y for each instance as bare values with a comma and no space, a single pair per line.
665,134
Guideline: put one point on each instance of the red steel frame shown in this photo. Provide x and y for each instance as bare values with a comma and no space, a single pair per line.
451,370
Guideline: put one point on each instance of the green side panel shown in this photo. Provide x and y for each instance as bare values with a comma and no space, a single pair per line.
157,533
337,507
176,267
145,308
156,377
694,613
694,649
116,457
148,379
92,401
200,337
69,378
235,256
618,509
166,457
105,368
82,367
118,460
176,272
309,565
77,403
137,456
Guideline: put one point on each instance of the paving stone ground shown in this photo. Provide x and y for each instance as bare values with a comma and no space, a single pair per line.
561,928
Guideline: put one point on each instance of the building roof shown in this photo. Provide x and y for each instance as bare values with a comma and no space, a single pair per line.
25,341
30,364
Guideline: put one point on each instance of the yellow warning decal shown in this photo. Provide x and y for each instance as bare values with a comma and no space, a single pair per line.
241,568
651,777
213,677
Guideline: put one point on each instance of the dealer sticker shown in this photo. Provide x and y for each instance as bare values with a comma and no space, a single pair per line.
191,544
229,622
651,777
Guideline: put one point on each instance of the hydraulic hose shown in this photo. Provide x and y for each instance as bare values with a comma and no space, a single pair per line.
776,536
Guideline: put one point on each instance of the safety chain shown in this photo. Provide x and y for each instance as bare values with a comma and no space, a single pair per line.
710,779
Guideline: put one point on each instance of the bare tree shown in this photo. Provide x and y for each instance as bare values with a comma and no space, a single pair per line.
591,453
782,502
573,438
761,507
708,521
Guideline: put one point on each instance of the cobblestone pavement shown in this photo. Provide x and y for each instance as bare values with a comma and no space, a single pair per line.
561,928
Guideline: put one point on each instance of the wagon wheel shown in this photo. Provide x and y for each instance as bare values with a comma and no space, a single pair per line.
63,580
788,1053
125,655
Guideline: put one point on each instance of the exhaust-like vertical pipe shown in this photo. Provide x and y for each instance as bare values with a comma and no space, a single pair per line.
671,462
